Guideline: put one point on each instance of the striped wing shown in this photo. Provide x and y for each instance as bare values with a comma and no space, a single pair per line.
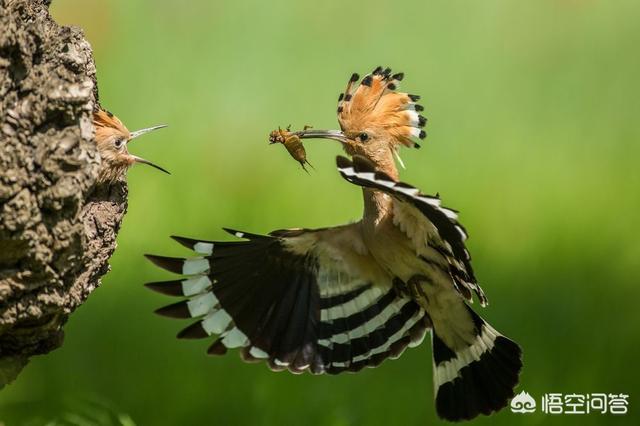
435,229
298,299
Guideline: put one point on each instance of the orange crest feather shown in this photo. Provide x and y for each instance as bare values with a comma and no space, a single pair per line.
105,124
375,105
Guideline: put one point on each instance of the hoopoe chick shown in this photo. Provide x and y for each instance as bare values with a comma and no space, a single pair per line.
112,137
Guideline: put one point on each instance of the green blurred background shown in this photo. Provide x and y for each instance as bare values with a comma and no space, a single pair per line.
533,135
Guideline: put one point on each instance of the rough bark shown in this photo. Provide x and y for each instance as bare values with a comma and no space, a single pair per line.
57,226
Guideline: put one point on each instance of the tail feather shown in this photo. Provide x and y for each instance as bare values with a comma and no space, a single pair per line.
477,379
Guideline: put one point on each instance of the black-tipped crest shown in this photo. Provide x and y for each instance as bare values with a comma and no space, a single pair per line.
377,104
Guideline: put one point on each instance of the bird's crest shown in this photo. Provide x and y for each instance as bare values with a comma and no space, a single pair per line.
375,104
106,124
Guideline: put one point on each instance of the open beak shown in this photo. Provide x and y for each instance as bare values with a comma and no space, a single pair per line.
143,161
336,135
141,132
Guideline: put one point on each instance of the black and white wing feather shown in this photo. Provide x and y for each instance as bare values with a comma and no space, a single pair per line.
434,229
299,299
476,368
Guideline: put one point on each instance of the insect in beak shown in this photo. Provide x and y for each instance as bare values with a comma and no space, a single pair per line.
141,132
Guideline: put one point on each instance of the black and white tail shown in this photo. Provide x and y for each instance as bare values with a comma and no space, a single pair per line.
478,378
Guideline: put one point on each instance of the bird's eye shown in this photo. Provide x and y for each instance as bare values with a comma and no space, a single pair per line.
363,137
119,142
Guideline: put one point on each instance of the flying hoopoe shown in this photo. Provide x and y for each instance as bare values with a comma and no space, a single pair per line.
343,298
112,137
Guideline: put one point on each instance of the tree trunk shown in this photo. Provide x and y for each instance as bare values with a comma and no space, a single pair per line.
57,226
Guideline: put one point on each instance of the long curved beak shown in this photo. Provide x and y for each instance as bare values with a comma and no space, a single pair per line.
335,135
141,132
143,161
